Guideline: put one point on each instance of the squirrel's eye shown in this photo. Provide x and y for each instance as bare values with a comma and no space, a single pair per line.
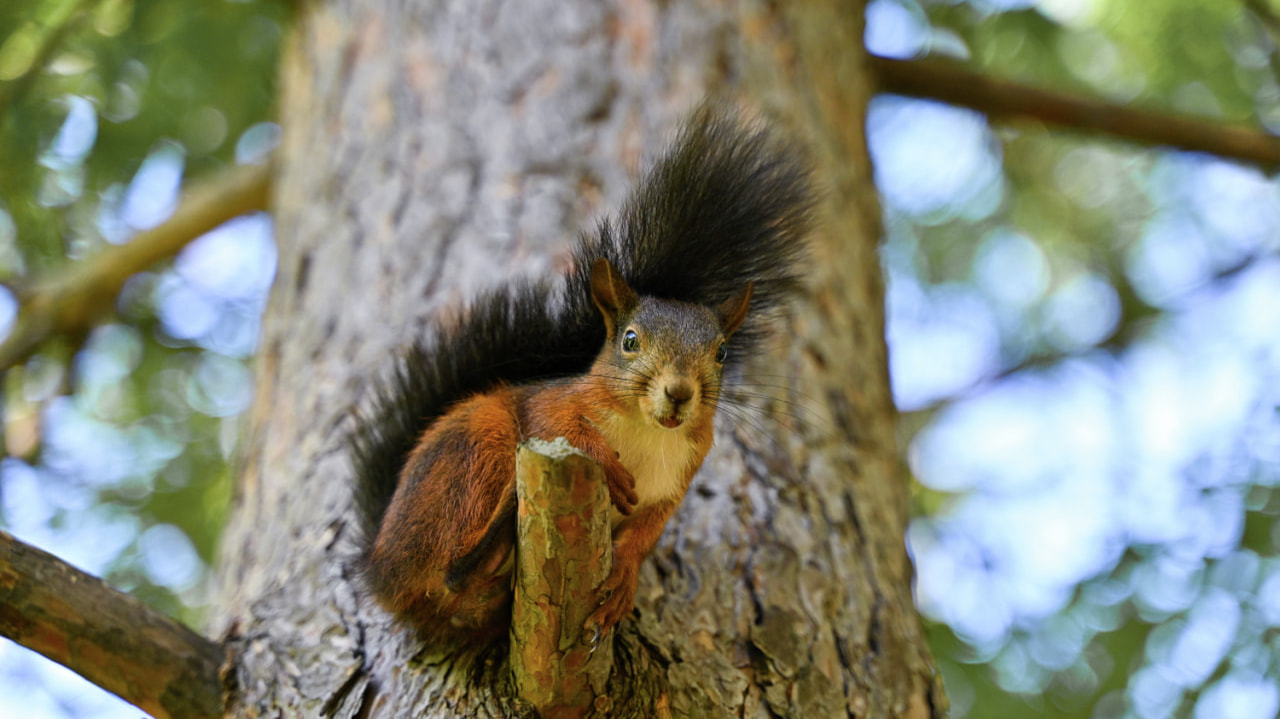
630,341
722,353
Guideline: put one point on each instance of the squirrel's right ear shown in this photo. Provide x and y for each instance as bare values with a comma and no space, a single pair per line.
734,310
610,293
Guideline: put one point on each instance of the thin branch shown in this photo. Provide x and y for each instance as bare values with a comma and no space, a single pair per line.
107,637
950,83
1120,340
565,552
73,300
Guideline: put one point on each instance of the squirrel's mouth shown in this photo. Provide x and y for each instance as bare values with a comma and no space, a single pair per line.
671,421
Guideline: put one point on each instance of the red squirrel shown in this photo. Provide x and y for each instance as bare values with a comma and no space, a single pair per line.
624,360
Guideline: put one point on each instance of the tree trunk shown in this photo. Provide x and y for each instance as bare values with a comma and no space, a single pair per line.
434,148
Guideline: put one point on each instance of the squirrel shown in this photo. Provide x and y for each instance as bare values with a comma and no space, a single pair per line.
624,358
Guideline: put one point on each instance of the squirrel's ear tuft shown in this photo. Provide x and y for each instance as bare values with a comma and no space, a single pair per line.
610,293
734,310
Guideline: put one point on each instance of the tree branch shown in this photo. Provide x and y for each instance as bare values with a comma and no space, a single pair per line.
950,83
74,299
564,540
107,637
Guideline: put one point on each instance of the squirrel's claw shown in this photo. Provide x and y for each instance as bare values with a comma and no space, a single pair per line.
624,504
617,598
622,489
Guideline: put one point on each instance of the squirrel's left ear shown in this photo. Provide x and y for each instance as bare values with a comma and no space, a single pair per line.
610,293
734,310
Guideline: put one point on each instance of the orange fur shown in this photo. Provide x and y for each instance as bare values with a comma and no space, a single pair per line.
444,545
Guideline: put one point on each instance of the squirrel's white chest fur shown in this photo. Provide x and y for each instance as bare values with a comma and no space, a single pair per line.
658,458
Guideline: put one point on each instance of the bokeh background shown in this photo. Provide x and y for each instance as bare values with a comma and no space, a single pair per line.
1084,337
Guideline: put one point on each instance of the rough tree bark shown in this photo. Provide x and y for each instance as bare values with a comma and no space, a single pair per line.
433,148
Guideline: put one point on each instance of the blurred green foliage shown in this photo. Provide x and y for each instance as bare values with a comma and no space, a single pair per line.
133,443
1164,619
120,444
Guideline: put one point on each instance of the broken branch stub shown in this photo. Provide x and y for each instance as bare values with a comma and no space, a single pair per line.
563,553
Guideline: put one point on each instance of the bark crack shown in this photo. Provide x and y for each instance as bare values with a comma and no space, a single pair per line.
453,231
332,705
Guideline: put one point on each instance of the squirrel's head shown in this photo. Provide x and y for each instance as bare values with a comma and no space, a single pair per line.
663,358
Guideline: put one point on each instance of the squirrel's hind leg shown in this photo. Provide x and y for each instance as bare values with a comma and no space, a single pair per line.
451,495
492,553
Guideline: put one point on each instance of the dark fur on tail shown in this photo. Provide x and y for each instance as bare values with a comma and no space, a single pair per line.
729,203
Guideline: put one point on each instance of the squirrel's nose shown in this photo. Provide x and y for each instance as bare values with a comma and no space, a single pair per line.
678,393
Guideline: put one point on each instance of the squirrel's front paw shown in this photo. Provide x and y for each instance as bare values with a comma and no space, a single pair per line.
622,488
617,598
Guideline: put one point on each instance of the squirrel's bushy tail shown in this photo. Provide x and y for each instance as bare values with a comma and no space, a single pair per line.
729,203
